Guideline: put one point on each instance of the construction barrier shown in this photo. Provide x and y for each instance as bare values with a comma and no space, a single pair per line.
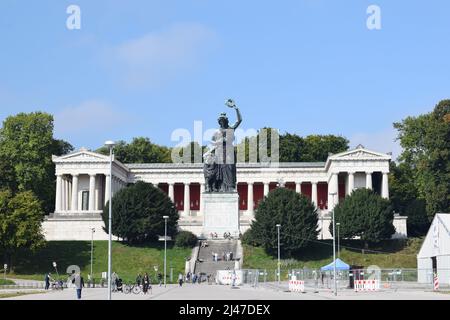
436,283
366,285
226,277
296,285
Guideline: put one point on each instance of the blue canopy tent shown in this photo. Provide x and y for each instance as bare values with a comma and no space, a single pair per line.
340,265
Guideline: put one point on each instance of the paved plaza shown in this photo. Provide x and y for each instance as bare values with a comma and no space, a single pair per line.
218,292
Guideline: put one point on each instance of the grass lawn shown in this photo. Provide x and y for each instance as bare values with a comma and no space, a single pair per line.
6,282
127,261
17,294
396,254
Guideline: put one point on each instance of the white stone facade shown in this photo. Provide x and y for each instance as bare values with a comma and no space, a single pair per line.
83,183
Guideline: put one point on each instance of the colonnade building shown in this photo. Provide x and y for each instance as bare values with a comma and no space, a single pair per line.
83,179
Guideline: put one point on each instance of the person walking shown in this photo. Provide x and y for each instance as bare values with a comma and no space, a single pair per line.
188,276
233,279
114,279
180,279
145,283
139,280
78,281
47,281
160,278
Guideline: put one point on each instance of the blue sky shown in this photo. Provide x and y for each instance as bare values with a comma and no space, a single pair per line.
146,68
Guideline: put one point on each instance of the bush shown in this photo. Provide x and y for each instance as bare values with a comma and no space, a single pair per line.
6,282
186,239
297,216
247,238
138,212
364,214
417,223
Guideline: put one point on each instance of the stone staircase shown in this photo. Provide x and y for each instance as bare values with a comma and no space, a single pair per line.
205,263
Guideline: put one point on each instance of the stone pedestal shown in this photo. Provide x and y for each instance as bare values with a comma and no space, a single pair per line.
220,213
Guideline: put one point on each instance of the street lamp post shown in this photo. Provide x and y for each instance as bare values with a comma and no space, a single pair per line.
92,250
279,263
338,241
56,268
110,145
333,194
165,247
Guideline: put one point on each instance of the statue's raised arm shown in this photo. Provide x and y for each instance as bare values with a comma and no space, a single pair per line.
230,103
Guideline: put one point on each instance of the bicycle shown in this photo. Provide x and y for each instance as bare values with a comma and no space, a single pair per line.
57,285
135,288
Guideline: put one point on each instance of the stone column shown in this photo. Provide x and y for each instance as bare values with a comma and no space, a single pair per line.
171,192
266,188
351,182
385,185
298,187
314,194
63,195
250,198
369,180
202,190
107,186
58,193
91,192
336,188
64,198
74,206
69,195
333,187
187,200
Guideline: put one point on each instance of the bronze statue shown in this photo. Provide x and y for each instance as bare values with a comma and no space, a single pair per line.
220,161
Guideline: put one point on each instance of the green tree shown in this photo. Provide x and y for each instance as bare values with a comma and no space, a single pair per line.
137,213
186,239
402,188
297,216
425,140
26,149
405,199
291,148
139,150
318,147
364,214
417,223
294,148
250,146
21,217
194,151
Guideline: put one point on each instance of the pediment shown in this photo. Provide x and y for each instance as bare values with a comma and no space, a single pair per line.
360,153
82,155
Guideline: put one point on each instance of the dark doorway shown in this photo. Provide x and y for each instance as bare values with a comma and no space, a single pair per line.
376,182
434,263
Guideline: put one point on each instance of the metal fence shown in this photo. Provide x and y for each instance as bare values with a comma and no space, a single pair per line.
23,284
315,278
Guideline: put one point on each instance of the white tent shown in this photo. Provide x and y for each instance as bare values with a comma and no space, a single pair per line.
434,255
